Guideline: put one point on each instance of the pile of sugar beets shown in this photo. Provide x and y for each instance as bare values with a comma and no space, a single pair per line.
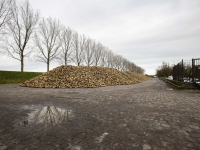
67,76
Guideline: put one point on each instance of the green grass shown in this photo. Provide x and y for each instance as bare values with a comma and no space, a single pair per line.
16,76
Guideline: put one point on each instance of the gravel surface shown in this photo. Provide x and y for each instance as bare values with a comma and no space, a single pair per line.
144,116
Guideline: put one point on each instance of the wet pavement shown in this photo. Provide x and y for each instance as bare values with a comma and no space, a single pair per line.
145,116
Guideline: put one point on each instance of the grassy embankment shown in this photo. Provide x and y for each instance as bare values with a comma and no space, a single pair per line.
16,76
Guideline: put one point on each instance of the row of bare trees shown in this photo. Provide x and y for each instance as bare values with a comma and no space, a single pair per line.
24,32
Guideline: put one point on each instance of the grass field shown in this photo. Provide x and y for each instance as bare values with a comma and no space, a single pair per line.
16,76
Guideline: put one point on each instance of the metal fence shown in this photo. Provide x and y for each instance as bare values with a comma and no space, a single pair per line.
195,69
189,69
178,71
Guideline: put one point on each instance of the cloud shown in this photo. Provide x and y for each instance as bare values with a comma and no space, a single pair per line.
145,32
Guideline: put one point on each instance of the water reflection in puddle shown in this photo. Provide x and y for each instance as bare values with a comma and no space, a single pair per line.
49,115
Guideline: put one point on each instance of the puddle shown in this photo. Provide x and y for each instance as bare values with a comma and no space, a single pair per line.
169,89
48,115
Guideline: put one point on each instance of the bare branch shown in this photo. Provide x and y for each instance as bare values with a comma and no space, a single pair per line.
66,46
20,29
78,46
5,13
47,40
89,50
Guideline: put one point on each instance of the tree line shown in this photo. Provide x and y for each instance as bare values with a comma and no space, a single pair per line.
24,32
166,70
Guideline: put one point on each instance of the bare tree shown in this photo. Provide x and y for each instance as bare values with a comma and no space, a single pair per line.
164,70
5,13
97,54
78,45
66,47
129,66
20,29
132,67
118,62
109,59
47,40
90,47
124,61
103,56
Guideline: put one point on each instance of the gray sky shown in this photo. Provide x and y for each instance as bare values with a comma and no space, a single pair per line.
143,31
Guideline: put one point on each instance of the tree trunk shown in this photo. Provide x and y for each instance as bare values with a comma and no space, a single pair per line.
47,66
22,64
65,61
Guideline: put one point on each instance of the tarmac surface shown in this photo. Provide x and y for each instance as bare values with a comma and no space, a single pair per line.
144,116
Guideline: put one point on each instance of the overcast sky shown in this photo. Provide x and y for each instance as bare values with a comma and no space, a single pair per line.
145,32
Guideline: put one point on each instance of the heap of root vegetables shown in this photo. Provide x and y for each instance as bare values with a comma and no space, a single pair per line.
68,76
